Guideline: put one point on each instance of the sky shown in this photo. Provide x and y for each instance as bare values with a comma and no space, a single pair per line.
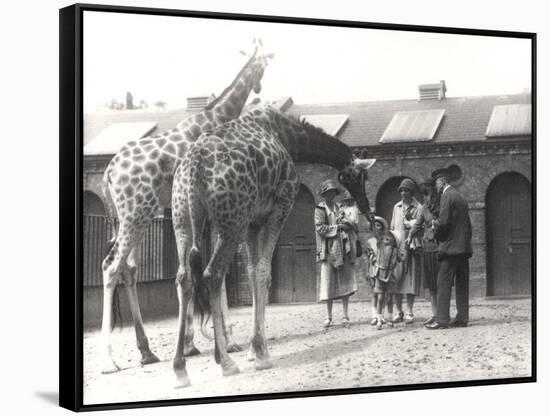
161,58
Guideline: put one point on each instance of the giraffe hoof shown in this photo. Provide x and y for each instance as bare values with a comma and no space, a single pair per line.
263,364
230,370
183,381
110,368
250,355
191,351
149,359
234,347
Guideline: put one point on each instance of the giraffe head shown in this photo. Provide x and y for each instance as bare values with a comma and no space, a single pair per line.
257,64
353,177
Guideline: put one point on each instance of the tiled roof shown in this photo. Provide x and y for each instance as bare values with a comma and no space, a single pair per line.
112,138
95,123
465,119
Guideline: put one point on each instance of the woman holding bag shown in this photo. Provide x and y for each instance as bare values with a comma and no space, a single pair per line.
336,236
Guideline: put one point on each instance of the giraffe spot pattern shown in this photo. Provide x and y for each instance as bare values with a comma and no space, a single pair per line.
136,170
123,179
170,148
195,131
181,148
151,168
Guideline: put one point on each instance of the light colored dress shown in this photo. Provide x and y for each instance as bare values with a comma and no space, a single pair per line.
407,272
336,251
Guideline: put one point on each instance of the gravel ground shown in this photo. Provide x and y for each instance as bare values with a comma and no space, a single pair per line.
497,344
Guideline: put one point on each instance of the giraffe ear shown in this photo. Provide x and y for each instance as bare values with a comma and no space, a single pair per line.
364,163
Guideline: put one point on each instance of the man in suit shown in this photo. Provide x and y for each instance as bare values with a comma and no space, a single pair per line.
454,233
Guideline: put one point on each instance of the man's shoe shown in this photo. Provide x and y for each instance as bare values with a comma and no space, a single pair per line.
458,324
436,325
429,321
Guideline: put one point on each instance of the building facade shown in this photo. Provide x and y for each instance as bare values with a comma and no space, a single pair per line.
486,142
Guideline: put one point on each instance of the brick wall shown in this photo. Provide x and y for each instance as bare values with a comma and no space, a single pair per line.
480,163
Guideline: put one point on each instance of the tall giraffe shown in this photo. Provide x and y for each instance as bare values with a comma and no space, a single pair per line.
241,178
133,185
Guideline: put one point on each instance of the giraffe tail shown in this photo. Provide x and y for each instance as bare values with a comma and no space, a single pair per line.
201,294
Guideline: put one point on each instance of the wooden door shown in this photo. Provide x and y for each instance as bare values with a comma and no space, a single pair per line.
508,211
293,269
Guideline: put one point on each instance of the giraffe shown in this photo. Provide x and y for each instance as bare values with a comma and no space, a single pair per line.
241,178
135,185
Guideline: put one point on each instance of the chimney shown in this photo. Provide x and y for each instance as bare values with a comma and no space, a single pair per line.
197,103
283,104
432,91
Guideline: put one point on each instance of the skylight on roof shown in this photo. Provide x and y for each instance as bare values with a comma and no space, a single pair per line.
112,138
412,126
330,123
510,120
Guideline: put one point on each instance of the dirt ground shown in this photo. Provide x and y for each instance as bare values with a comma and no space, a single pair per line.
497,344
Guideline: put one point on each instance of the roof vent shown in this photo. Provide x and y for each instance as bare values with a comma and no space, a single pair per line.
197,103
283,104
432,91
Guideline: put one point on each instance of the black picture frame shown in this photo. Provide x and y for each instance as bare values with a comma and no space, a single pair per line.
71,200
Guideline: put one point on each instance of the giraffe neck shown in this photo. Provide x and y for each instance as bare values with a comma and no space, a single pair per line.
305,142
230,103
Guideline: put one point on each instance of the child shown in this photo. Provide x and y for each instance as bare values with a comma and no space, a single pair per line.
386,259
380,226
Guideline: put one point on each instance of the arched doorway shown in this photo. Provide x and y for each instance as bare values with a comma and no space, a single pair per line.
508,235
294,276
388,196
96,233
92,204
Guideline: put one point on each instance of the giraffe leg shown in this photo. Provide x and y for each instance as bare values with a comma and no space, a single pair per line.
262,242
213,277
232,346
252,254
108,365
184,288
257,274
189,348
130,280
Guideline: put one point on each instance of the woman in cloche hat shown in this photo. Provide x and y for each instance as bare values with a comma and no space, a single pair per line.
336,249
408,271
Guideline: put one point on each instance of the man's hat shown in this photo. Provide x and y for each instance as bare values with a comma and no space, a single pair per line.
328,185
438,173
407,184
